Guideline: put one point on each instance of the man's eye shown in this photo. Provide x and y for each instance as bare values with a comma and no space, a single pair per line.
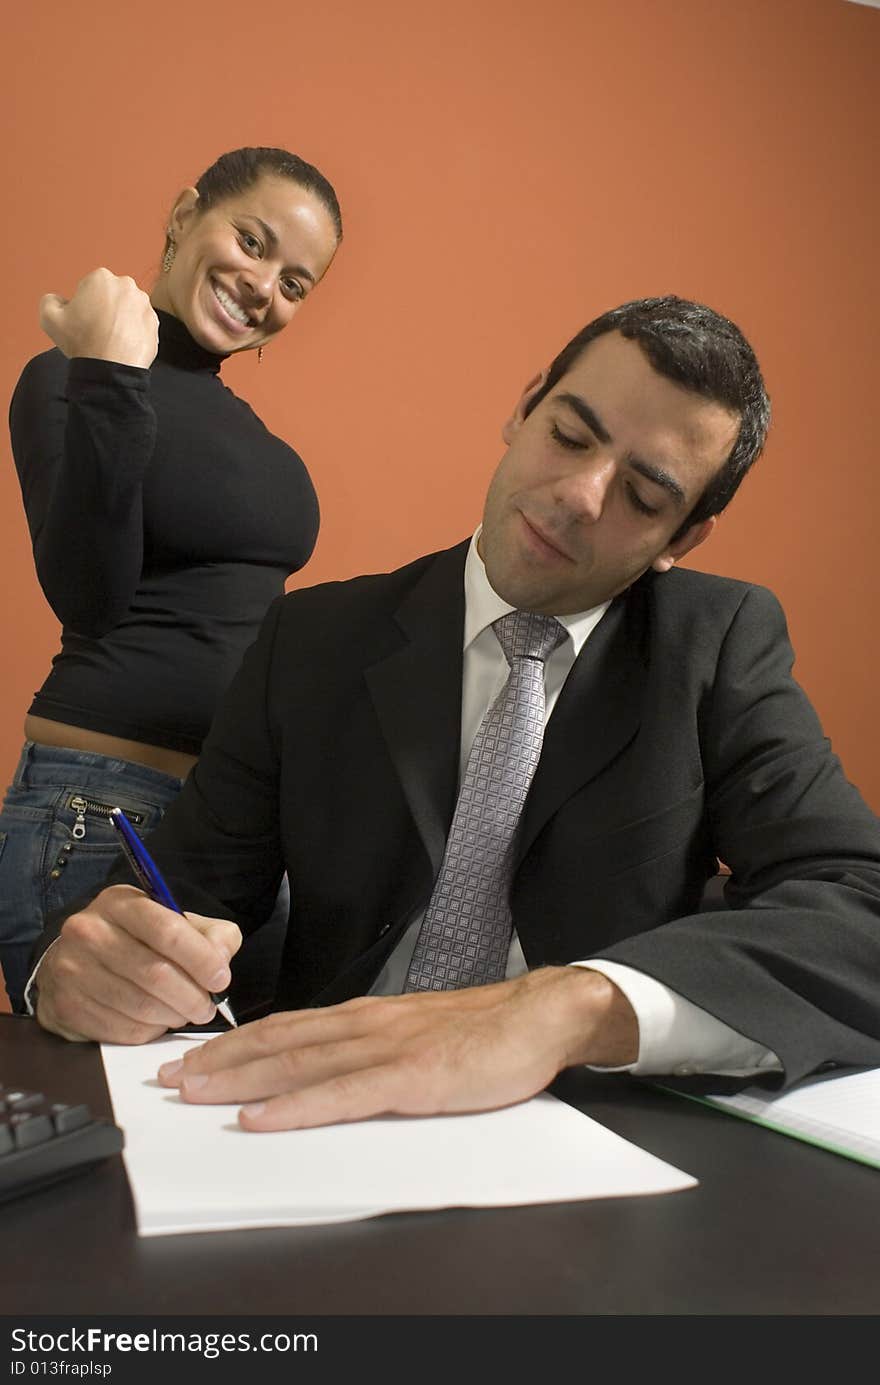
638,503
564,439
250,243
293,288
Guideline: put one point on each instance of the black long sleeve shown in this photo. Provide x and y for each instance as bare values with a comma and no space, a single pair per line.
165,518
83,434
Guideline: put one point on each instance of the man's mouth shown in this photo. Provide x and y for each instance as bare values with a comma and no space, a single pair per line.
542,539
231,307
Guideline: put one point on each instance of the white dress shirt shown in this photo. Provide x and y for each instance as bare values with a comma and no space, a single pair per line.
675,1036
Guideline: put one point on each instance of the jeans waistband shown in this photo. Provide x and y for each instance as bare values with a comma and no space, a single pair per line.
56,765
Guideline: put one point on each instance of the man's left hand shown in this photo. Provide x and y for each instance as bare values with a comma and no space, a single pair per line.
420,1054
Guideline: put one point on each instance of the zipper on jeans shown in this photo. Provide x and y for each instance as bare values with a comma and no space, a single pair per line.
81,806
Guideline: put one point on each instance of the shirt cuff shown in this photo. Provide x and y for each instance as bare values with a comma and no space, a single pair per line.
30,990
84,372
677,1037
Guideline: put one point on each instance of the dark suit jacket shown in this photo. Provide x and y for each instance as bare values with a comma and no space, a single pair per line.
679,738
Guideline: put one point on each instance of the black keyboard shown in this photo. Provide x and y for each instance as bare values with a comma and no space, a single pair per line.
42,1141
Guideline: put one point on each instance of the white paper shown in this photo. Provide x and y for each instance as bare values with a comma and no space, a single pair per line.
192,1168
839,1112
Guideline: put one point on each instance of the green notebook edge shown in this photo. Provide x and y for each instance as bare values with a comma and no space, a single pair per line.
803,1136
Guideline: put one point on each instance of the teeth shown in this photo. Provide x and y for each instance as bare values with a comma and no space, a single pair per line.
233,309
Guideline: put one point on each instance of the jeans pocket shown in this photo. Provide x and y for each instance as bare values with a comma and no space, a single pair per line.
82,845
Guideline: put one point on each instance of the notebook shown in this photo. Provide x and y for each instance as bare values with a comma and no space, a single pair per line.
839,1111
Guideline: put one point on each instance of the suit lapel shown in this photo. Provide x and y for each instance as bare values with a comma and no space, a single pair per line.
597,714
416,692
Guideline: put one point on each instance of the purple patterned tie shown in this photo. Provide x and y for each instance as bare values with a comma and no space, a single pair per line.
465,935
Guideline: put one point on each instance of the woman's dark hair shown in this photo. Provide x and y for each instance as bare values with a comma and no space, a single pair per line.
702,351
235,172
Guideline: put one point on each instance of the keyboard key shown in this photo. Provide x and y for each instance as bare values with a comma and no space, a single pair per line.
30,1129
24,1101
69,1117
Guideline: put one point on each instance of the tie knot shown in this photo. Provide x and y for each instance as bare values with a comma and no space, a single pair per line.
524,635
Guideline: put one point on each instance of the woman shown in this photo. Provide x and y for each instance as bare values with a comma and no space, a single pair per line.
164,519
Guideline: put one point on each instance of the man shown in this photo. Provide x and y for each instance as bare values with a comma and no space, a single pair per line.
454,950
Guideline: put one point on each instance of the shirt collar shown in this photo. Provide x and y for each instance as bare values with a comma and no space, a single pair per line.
178,347
483,605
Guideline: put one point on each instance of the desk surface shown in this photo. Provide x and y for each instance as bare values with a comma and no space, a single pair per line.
775,1227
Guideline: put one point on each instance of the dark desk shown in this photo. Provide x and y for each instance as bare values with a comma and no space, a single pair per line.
775,1227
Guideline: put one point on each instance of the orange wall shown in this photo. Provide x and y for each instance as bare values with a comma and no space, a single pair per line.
506,171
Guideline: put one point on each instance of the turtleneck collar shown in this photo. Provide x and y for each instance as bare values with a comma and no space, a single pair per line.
177,347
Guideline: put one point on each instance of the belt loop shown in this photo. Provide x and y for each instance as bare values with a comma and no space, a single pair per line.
22,776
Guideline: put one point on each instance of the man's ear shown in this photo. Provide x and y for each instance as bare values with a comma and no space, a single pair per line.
691,538
182,211
514,423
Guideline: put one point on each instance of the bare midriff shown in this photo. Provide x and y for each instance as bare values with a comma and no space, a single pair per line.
58,733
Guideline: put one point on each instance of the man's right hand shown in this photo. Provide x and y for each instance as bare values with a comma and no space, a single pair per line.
125,970
108,318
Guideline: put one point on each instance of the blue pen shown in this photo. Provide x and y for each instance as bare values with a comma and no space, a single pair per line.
147,872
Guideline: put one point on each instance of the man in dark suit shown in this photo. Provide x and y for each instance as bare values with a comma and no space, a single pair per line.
675,738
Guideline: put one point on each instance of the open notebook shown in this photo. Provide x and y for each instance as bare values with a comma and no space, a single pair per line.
838,1110
192,1168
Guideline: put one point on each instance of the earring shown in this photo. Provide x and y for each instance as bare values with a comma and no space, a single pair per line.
168,257
259,355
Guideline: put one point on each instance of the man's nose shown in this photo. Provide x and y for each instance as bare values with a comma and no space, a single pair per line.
584,492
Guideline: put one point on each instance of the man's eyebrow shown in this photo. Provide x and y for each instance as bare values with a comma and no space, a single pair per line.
660,478
586,414
272,241
650,472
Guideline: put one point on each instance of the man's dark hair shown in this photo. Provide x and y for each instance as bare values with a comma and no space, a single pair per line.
702,351
235,172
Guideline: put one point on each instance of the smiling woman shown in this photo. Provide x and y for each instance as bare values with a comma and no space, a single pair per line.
164,519
239,261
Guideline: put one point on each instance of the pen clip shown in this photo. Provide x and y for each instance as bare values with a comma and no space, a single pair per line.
130,855
142,862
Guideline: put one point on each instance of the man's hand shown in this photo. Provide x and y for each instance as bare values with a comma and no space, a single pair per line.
108,318
416,1055
124,970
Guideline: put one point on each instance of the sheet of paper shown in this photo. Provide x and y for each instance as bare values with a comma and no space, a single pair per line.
192,1168
841,1112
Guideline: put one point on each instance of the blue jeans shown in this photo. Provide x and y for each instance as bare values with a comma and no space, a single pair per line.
56,841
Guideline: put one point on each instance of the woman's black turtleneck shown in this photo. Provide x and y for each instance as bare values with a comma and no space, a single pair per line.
164,518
